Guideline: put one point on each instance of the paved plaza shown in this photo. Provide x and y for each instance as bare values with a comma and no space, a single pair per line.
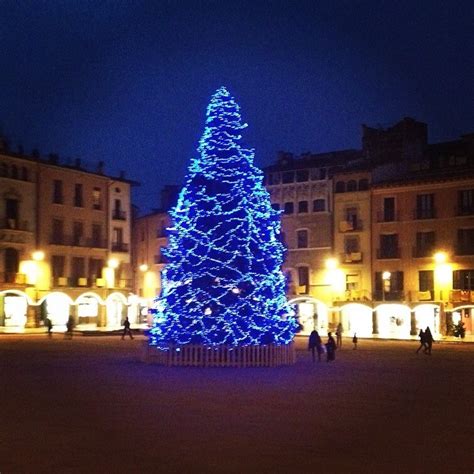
90,405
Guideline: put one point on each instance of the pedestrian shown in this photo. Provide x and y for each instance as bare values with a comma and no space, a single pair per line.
49,326
315,345
354,341
428,340
330,348
422,337
69,328
126,328
339,332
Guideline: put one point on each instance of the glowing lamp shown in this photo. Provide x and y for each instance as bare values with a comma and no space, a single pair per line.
38,255
331,263
440,257
113,263
143,267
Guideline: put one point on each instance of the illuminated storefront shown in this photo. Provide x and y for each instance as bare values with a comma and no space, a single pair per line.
14,313
311,314
57,307
357,319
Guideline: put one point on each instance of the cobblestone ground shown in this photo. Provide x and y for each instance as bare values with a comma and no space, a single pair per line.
89,405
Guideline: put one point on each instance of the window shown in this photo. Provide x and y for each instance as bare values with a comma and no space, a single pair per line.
465,244
352,282
351,244
11,212
274,178
276,206
389,246
95,268
117,240
426,281
58,266
340,187
463,280
57,191
319,205
77,233
425,244
424,206
352,185
96,235
352,218
289,208
96,198
302,207
288,177
302,239
78,201
24,173
303,276
302,176
389,209
78,269
392,290
57,236
466,202
117,212
363,184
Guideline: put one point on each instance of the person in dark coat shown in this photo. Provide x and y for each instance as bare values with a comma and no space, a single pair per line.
422,337
49,326
355,341
330,348
339,332
69,328
315,345
428,340
126,328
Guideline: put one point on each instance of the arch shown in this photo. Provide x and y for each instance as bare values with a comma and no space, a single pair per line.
427,314
311,313
117,296
18,293
393,320
57,306
89,294
352,185
55,293
340,187
357,318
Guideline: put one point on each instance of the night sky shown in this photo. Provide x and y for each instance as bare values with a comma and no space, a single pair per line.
128,82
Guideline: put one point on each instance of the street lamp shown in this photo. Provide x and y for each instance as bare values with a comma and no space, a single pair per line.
443,272
386,283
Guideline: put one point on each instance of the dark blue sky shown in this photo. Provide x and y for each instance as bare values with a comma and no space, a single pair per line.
128,82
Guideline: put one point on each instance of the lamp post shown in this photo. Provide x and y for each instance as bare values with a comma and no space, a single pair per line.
386,284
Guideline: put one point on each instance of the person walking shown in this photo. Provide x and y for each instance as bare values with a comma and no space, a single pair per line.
69,328
428,340
354,341
422,337
330,348
49,326
315,345
339,332
126,329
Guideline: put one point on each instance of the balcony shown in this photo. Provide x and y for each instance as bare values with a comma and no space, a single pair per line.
76,241
352,257
420,214
386,253
119,215
350,226
465,211
14,224
461,296
395,295
13,278
422,252
388,216
119,247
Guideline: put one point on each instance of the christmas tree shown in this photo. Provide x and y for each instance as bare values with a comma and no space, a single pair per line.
223,283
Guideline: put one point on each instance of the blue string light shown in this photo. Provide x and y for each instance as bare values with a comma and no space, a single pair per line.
223,283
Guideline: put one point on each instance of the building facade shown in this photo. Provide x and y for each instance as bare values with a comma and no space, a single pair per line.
65,245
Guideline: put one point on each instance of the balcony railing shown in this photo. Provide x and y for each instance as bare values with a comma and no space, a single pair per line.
465,249
14,224
13,277
388,253
119,215
422,252
429,213
352,257
395,295
465,211
119,247
388,216
350,226
75,241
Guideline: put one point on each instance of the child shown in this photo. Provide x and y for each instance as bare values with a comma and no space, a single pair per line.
354,340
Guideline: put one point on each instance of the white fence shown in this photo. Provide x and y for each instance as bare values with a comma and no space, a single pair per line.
221,356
